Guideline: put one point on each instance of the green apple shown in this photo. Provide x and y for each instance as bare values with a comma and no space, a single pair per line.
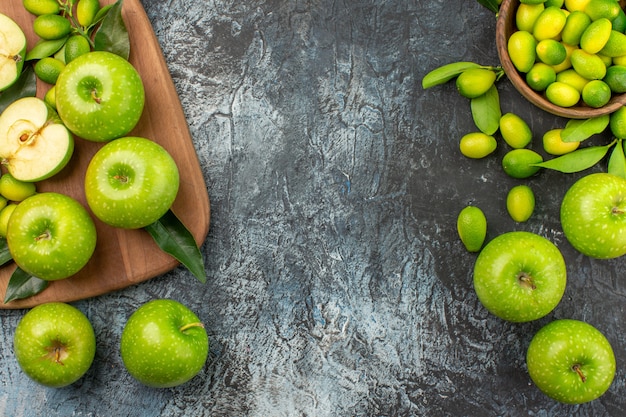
34,143
593,215
54,344
520,276
51,236
164,344
12,51
131,182
571,361
99,96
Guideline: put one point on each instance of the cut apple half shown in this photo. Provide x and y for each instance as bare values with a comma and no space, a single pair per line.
34,143
12,51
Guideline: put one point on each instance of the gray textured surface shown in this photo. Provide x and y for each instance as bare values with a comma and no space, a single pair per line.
337,285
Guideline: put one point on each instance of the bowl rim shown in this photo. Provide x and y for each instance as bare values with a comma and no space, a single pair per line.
505,27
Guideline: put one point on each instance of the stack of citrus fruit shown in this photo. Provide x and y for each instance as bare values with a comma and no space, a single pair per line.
572,51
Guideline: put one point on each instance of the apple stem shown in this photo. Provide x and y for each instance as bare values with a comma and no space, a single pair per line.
526,280
190,325
94,95
617,210
577,369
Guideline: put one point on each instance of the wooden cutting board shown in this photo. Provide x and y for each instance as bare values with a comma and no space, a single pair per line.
125,257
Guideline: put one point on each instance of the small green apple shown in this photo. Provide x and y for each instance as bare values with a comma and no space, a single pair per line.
12,51
164,344
571,361
54,344
593,215
34,143
51,236
99,96
131,182
520,276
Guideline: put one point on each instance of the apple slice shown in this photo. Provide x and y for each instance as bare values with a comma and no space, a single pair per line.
34,142
12,51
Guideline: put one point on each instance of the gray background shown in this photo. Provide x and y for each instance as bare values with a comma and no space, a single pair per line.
337,285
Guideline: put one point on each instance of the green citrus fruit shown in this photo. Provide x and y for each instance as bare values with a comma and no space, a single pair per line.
41,7
76,46
571,77
518,163
617,123
619,23
520,203
477,145
602,9
551,52
51,26
50,97
48,69
522,48
86,11
615,46
5,215
549,23
575,25
540,76
515,131
527,15
596,36
588,65
562,94
15,190
616,78
596,93
575,5
554,145
471,227
475,82
554,3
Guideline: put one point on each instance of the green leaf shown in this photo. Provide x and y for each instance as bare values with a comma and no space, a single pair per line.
492,5
23,285
175,239
579,130
486,111
578,160
445,73
112,35
45,48
25,86
5,255
617,160
101,14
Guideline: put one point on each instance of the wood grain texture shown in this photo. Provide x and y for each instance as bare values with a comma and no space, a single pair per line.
126,257
505,27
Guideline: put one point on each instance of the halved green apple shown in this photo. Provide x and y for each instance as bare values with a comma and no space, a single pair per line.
12,51
34,142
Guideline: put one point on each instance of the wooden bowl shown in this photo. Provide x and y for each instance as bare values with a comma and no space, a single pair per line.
505,27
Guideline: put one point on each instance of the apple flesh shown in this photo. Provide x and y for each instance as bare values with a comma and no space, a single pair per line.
593,215
571,361
520,276
54,344
51,236
12,51
99,96
34,143
164,344
131,182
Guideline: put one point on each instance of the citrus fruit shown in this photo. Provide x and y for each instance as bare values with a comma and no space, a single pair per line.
554,3
549,23
86,11
596,93
50,97
551,52
48,69
477,145
617,123
41,7
588,65
521,47
15,190
575,25
575,5
596,35
5,215
475,82
562,94
571,77
527,15
554,145
515,131
51,26
616,78
615,45
520,203
471,227
76,46
602,9
540,76
619,23
518,163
